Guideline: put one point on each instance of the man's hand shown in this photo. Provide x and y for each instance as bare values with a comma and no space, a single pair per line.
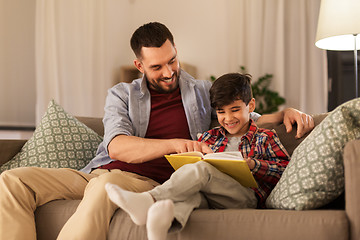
182,145
133,149
305,122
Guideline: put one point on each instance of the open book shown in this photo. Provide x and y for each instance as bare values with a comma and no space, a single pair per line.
231,163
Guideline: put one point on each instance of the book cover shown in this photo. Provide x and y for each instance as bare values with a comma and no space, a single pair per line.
231,163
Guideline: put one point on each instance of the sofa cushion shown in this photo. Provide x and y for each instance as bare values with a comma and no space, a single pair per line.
315,174
212,224
94,123
60,140
9,148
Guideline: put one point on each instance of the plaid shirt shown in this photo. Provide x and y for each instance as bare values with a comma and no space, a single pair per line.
264,147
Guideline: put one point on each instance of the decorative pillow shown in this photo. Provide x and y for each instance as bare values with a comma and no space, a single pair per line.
60,141
315,174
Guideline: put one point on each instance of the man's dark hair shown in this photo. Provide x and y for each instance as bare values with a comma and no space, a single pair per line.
229,88
153,34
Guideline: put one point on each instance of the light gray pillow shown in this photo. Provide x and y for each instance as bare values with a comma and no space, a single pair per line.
59,141
315,174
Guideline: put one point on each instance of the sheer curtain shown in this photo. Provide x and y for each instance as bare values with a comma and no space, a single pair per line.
278,36
71,56
80,45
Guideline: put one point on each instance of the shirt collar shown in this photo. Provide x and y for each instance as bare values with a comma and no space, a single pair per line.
143,86
251,132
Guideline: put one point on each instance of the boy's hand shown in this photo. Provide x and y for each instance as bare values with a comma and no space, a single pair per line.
250,162
182,145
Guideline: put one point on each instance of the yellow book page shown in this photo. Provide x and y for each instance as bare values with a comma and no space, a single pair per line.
177,161
237,169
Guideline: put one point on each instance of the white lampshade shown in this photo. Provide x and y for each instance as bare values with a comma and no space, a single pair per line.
339,21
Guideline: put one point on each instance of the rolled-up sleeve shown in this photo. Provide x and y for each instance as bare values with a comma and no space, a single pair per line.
116,118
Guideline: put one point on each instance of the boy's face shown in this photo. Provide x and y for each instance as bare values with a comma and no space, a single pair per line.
235,117
160,66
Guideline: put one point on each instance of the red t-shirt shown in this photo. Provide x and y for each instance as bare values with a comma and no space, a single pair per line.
167,120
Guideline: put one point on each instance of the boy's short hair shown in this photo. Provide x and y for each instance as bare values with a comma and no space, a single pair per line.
229,88
153,34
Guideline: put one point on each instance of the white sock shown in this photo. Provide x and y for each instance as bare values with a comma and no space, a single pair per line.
135,204
160,217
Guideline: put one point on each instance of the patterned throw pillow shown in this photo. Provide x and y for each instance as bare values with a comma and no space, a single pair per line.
60,141
315,174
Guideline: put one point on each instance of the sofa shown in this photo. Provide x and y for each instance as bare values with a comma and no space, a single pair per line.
339,219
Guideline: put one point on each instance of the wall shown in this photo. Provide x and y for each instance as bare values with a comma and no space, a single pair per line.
17,59
203,31
196,28
200,29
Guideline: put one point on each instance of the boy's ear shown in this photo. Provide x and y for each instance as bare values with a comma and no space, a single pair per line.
252,105
138,65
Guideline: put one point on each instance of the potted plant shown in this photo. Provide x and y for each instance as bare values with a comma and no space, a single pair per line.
267,100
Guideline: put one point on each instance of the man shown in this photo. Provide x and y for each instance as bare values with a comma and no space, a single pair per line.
153,116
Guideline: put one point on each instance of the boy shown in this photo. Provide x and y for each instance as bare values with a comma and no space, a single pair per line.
199,185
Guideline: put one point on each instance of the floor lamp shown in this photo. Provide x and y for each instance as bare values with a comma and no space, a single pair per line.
339,28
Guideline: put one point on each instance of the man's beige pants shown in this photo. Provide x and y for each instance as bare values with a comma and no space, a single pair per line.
22,190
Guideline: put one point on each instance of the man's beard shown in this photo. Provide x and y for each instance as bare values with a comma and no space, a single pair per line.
153,84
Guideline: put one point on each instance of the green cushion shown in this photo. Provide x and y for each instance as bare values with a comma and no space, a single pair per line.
315,174
59,141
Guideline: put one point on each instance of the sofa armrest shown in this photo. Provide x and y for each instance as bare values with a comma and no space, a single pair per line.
9,148
352,180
